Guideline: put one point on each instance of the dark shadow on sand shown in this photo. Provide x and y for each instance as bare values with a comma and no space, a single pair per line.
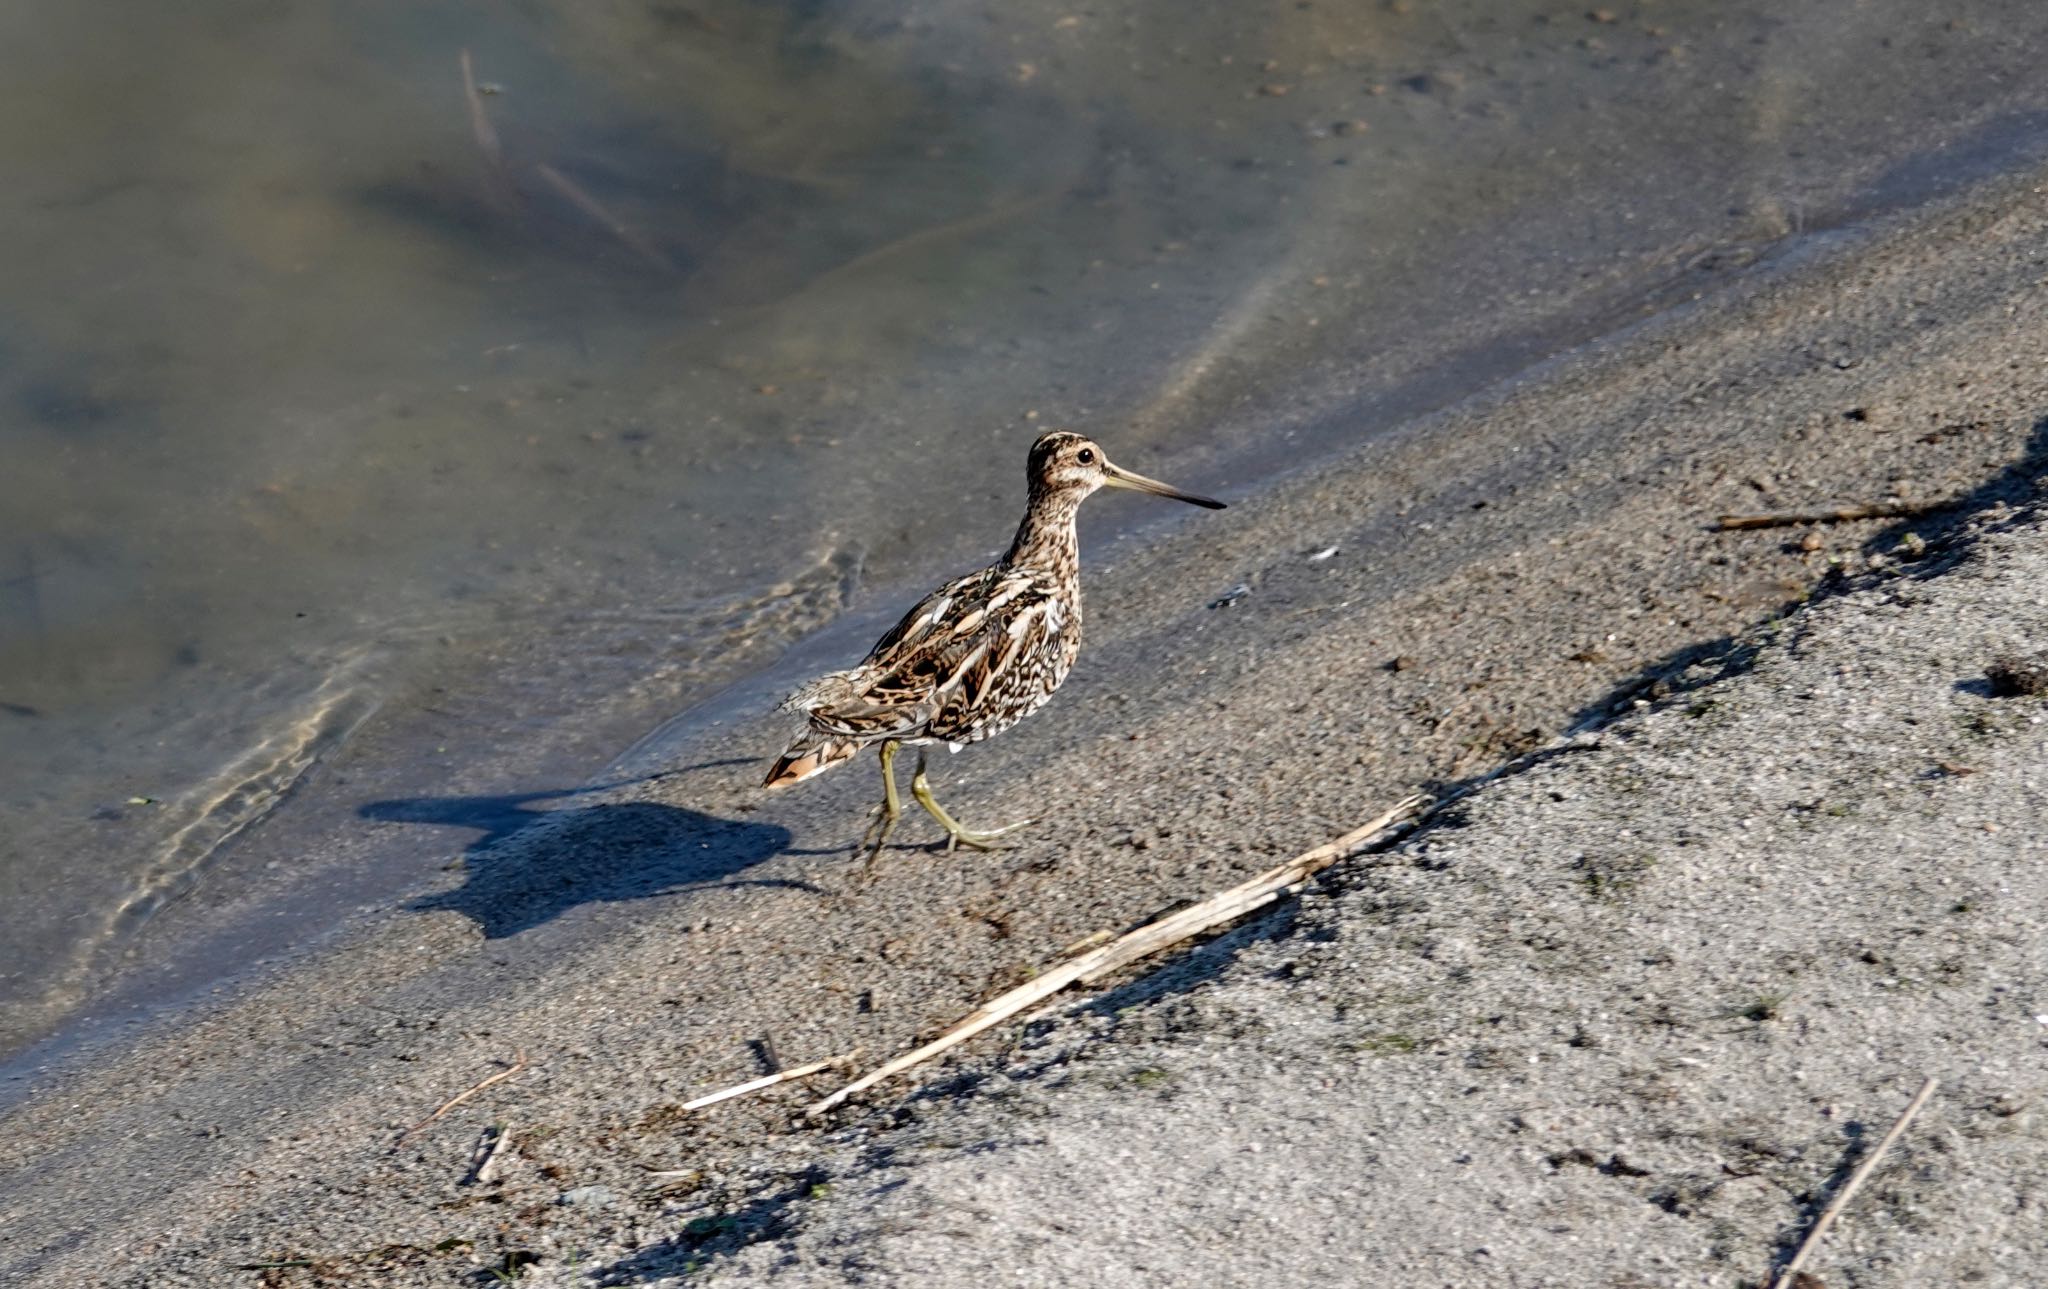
533,863
712,1234
1944,530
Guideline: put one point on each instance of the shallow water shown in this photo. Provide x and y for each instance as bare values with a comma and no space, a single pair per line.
435,396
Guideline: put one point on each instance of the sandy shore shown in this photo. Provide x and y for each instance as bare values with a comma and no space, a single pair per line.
1530,559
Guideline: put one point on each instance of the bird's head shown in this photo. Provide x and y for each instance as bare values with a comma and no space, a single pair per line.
1063,462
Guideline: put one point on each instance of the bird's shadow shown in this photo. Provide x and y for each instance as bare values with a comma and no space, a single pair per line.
517,875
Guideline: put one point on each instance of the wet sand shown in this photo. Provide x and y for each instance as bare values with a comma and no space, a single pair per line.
1535,556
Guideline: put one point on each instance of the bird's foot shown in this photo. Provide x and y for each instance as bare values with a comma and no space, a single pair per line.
957,836
881,823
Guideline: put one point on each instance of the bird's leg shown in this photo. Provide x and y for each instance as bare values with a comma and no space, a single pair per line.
886,814
956,835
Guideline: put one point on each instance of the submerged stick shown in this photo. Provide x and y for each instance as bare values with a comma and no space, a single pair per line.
1086,968
1840,515
611,223
925,237
518,1067
500,184
765,1081
480,120
1855,1182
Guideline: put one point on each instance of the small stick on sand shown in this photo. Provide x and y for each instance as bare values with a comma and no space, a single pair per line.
765,1081
1856,1180
518,1067
1842,515
483,1161
1091,966
590,206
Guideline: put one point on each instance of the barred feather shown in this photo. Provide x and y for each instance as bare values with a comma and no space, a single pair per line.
808,756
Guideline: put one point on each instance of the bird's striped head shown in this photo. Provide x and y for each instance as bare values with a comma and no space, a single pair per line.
1066,464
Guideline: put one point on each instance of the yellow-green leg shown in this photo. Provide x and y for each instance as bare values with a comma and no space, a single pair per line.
956,835
888,812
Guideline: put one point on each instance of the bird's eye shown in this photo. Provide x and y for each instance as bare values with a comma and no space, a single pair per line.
1086,456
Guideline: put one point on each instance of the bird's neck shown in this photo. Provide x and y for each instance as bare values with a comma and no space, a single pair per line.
1047,539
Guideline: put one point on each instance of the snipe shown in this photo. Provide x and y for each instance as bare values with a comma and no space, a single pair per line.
975,656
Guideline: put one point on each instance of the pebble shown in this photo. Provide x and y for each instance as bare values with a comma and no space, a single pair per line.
1435,82
2014,677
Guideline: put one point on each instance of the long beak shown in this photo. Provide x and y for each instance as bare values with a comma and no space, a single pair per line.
1118,477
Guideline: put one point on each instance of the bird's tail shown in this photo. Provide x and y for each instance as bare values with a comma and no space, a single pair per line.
812,753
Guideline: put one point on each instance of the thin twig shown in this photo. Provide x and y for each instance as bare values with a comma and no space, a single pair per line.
518,1067
1086,968
1839,515
1856,1180
765,1081
590,206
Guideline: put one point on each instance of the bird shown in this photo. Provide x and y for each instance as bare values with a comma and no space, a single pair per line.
974,657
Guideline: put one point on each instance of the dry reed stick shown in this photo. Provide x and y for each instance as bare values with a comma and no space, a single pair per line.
1086,968
765,1081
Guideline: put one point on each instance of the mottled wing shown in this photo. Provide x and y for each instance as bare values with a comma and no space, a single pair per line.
1031,644
931,672
936,616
